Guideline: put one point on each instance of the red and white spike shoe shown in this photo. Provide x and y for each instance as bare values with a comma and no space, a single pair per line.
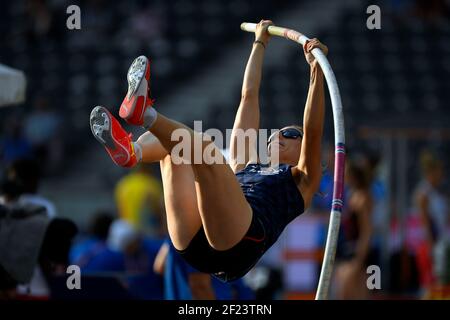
117,142
138,98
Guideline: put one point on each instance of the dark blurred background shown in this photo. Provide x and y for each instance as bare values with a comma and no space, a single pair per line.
395,88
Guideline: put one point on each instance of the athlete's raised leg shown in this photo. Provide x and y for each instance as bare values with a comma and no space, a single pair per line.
183,217
151,150
186,188
225,213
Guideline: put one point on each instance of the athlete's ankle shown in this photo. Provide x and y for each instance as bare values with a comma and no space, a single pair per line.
137,151
150,116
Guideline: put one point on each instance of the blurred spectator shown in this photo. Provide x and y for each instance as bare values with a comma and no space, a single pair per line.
354,243
430,199
7,285
266,281
33,249
53,259
183,282
22,230
370,160
433,209
23,177
322,200
95,241
40,24
14,145
42,130
148,23
131,254
96,25
431,10
425,10
403,273
139,200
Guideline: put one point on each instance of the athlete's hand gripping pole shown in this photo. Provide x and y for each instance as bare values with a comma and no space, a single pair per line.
335,216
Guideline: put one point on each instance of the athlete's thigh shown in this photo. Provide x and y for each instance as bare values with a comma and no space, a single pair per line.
225,212
180,198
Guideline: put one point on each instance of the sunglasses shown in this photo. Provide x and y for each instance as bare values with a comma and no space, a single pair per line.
288,133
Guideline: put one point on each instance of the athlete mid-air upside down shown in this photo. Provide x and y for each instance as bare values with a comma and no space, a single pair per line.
223,217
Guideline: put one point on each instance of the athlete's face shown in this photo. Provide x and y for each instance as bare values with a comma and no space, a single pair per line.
289,142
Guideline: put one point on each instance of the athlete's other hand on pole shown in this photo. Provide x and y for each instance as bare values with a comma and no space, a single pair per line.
309,46
261,33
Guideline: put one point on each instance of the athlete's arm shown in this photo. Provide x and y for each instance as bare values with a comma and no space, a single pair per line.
309,165
247,116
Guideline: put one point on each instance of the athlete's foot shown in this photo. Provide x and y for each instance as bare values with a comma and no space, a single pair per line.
137,108
117,142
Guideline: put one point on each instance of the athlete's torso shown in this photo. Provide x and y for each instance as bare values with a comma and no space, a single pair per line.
272,193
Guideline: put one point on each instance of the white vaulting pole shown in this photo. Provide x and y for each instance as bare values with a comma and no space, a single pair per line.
339,164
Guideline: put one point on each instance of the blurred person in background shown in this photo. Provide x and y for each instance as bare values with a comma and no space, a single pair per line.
53,259
94,241
369,161
322,200
41,23
266,280
431,10
139,199
42,128
130,255
355,237
24,176
13,143
22,232
183,282
149,22
428,11
432,206
29,240
8,285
